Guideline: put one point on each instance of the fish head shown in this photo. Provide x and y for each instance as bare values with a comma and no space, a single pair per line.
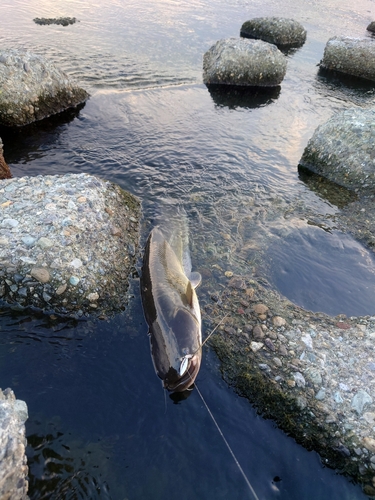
174,381
186,329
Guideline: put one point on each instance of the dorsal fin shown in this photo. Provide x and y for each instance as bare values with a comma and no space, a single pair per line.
189,294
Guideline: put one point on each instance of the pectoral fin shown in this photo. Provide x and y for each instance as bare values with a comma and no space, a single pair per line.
195,279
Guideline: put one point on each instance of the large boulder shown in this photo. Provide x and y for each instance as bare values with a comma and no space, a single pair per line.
238,61
283,32
32,88
67,243
343,150
13,470
351,56
4,168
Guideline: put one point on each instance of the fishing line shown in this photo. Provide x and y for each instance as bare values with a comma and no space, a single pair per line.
228,446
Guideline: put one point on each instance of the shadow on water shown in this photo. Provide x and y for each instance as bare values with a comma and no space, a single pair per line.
326,189
24,144
234,97
345,87
63,466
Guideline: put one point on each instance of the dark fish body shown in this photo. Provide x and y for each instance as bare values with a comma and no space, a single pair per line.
171,309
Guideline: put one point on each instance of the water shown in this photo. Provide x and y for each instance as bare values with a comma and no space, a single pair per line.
100,425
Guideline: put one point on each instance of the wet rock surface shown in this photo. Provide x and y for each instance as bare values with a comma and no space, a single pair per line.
351,56
33,88
67,243
13,470
312,373
283,32
244,62
343,150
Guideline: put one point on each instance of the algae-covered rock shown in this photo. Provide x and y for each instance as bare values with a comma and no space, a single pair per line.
238,61
32,88
351,56
283,32
343,150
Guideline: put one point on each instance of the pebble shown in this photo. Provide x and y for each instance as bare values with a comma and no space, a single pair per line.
278,321
268,343
360,400
92,297
337,397
40,274
277,361
258,333
28,240
256,346
45,242
74,280
307,340
61,289
369,444
260,309
321,394
299,379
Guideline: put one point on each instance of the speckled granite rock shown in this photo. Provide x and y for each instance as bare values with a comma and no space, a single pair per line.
32,88
352,56
237,61
4,168
67,243
343,150
13,469
283,32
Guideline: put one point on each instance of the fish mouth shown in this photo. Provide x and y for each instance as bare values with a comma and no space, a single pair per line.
173,382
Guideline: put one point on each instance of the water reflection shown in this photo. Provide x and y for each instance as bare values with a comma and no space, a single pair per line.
345,87
24,144
329,191
233,97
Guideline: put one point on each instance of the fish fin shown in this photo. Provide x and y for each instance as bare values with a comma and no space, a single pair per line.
189,294
195,279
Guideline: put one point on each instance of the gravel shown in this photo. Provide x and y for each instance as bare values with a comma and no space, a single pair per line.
13,470
67,243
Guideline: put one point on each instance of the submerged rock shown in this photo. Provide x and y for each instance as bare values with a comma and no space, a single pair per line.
281,31
352,56
58,250
32,88
13,470
237,61
4,168
343,150
63,21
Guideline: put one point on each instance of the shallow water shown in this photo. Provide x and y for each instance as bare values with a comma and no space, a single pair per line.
100,425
